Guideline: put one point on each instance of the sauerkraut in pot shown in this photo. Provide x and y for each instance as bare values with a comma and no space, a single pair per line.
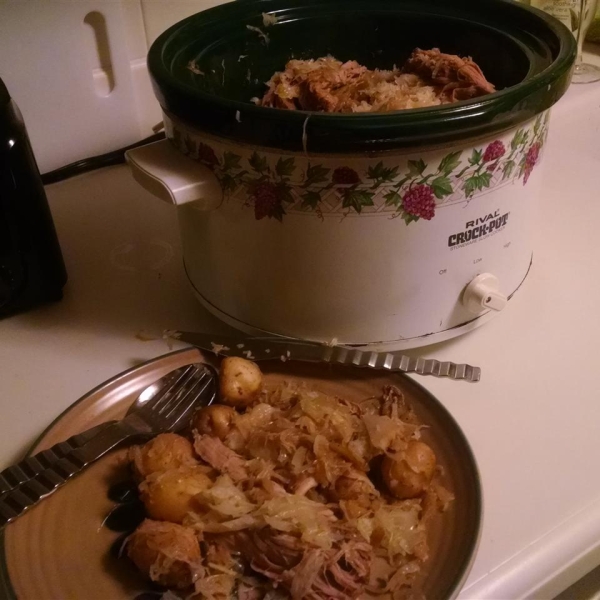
294,494
427,78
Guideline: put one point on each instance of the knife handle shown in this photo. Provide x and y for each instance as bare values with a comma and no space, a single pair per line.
401,363
17,500
28,468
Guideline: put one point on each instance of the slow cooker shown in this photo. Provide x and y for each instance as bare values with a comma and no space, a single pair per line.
389,230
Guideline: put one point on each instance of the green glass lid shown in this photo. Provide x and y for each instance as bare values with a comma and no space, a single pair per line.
207,68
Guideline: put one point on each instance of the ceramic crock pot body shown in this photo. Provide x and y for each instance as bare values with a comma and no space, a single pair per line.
381,230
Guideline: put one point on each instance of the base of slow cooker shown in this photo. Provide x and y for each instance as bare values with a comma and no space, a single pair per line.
380,346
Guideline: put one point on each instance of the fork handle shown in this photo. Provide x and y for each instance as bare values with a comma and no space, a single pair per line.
22,497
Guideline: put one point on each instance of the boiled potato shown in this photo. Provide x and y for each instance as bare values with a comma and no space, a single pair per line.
409,475
169,496
166,451
167,553
216,420
240,381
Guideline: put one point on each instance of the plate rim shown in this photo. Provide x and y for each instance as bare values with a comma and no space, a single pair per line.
462,573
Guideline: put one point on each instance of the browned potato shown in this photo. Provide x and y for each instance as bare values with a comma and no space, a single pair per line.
169,496
240,381
166,451
409,475
167,553
214,420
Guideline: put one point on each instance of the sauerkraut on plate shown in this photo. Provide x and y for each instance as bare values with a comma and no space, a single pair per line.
287,493
427,78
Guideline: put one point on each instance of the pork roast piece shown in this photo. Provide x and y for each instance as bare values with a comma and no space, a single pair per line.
428,78
459,78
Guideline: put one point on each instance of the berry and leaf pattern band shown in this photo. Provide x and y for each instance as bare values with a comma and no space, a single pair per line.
274,185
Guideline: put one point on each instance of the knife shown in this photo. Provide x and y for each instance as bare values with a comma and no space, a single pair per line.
279,348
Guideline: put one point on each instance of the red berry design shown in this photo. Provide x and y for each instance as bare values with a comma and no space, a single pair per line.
265,200
494,151
206,154
419,202
531,159
345,176
532,155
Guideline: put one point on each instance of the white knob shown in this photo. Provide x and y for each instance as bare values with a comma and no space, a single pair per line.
482,294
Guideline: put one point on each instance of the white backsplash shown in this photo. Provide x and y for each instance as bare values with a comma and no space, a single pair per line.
77,70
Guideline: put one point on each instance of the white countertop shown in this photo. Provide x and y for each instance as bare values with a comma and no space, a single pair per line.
533,421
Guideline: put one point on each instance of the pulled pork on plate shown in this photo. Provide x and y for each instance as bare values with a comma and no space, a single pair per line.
287,493
428,78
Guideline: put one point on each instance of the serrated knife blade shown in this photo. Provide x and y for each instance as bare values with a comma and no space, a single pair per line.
263,348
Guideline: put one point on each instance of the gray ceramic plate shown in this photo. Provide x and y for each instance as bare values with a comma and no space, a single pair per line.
60,549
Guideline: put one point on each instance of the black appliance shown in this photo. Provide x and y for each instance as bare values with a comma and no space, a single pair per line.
32,269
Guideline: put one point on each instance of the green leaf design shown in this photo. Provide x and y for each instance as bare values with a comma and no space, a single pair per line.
442,187
357,199
518,139
416,167
408,218
315,174
311,199
277,212
285,167
476,157
470,186
508,169
284,194
537,125
477,182
393,198
400,183
485,179
258,163
231,161
228,183
450,162
376,171
382,174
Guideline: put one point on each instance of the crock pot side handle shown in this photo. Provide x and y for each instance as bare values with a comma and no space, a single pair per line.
166,173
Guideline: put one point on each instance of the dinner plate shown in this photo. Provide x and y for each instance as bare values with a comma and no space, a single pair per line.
61,549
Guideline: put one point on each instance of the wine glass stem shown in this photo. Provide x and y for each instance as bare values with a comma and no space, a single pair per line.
580,29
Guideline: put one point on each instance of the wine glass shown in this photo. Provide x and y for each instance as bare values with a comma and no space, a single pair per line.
585,72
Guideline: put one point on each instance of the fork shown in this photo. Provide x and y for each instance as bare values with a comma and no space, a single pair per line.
167,411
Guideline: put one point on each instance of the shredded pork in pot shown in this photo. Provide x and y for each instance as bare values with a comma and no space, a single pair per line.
296,495
428,78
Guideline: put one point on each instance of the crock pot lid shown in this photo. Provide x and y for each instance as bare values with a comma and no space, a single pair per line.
187,46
